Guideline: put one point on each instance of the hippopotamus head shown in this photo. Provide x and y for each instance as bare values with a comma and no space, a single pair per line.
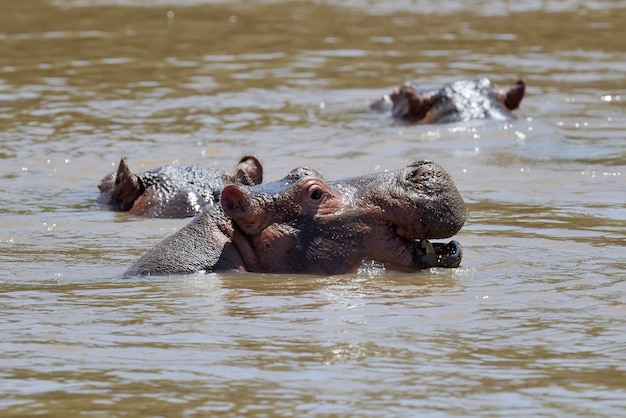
305,224
172,191
310,225
462,100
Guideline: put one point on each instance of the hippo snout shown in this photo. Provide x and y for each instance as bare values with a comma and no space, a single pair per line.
432,202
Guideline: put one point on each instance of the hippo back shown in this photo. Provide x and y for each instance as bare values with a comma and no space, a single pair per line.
466,100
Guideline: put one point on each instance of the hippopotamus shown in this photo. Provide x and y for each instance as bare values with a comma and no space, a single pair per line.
172,191
305,224
461,101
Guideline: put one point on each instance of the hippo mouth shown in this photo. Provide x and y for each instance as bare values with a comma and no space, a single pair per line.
437,254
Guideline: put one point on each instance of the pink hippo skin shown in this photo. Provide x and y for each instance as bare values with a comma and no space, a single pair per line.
304,224
172,191
460,101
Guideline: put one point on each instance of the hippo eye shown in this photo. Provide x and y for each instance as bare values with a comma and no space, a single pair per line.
316,194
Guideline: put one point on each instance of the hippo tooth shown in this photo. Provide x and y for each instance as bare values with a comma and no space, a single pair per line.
427,247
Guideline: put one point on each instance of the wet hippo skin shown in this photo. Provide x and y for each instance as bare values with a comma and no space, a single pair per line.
172,191
460,101
304,224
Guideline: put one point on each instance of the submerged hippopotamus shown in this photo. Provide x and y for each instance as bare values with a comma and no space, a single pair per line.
304,224
460,101
172,191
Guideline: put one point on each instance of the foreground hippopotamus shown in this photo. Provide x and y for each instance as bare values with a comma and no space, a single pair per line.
172,191
304,224
460,101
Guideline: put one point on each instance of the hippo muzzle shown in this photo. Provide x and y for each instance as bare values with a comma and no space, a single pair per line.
415,205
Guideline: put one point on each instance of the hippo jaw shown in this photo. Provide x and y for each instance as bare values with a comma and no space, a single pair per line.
438,254
406,254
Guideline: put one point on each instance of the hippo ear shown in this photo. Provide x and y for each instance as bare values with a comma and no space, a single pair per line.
249,171
418,105
514,96
234,201
127,187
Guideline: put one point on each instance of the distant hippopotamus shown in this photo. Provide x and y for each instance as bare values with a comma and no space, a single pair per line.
304,224
460,101
172,191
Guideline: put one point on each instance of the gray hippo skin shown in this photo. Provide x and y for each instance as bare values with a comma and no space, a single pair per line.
172,191
461,101
304,224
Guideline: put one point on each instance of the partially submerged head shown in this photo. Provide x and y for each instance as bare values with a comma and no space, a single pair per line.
172,191
305,224
459,101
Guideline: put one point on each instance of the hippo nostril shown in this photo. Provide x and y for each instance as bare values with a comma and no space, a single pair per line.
420,168
420,163
424,168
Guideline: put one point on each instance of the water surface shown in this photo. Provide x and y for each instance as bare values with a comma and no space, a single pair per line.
531,324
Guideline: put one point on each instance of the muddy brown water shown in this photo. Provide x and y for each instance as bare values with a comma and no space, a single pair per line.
531,324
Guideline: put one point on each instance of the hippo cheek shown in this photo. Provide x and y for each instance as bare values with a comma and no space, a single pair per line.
393,249
277,248
105,197
107,182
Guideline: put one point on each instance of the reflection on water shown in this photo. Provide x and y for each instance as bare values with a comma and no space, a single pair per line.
531,324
